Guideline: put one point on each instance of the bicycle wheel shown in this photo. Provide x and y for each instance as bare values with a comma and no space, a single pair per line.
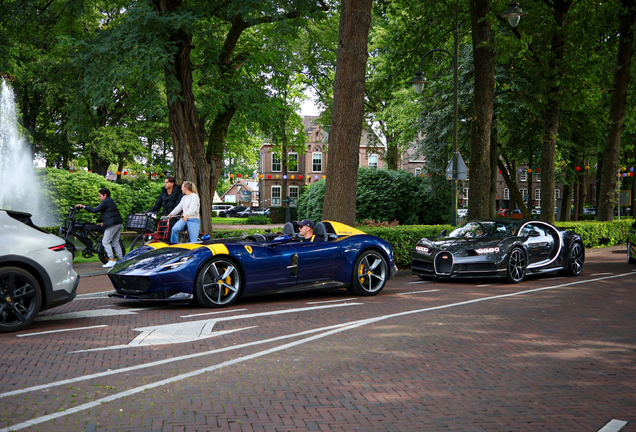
140,240
101,252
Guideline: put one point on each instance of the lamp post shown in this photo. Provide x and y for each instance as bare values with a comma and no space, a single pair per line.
514,14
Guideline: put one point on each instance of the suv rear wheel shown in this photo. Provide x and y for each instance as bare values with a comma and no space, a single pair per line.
20,299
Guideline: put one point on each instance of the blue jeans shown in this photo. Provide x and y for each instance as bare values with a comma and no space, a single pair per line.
192,225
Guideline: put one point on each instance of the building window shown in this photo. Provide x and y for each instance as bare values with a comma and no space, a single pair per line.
418,171
292,162
276,163
465,198
524,194
537,197
523,176
293,194
557,193
537,177
373,161
316,162
506,193
275,195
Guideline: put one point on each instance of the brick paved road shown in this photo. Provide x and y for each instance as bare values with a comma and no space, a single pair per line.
550,354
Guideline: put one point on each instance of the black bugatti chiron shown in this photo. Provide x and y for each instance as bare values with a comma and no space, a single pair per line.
507,248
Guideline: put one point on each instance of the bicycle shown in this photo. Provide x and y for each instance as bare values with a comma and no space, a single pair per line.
152,229
149,228
90,235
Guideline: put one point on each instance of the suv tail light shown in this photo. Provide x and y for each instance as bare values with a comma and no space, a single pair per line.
58,247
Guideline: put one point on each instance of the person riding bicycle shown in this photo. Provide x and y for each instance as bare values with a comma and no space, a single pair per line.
189,205
112,223
169,198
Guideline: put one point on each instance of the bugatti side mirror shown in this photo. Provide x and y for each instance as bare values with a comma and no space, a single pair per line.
535,234
442,233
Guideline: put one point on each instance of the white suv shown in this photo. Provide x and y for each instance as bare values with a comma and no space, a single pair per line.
36,271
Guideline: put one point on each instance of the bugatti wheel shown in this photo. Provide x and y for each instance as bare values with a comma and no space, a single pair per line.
517,264
370,273
218,283
20,299
630,258
575,260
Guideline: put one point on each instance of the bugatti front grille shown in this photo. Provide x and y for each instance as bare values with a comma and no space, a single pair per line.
130,284
444,263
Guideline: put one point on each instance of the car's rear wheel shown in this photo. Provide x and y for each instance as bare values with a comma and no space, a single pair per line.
218,283
370,273
575,260
20,299
630,258
517,264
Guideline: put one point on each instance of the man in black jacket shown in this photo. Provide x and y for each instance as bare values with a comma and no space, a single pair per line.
169,198
111,222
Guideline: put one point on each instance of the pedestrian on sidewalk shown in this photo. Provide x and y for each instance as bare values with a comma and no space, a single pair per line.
169,198
112,223
189,205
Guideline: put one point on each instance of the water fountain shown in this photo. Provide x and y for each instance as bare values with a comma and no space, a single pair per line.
19,187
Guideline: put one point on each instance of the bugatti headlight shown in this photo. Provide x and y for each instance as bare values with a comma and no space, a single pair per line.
423,249
486,251
178,263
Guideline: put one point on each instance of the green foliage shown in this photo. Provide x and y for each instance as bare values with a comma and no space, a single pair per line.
63,189
386,195
256,220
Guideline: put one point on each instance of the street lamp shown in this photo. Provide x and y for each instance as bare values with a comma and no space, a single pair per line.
514,14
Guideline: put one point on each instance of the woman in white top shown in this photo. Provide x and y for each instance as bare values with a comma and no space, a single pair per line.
189,205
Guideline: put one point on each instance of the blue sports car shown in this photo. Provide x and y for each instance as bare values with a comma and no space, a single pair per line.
216,273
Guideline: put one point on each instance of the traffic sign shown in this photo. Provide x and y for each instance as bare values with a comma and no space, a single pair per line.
462,171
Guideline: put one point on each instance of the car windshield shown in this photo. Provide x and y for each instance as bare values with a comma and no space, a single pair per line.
484,229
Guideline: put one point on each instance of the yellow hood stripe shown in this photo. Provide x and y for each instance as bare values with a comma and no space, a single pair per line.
216,248
342,229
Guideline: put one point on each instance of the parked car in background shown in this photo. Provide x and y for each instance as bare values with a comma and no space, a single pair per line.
250,211
36,271
221,207
590,211
535,211
233,212
462,213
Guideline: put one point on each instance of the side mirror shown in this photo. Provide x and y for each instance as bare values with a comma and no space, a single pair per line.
535,234
442,233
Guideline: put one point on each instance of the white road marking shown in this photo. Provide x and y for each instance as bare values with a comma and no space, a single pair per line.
613,426
214,313
94,313
335,330
601,274
279,312
418,292
61,330
332,301
484,285
419,282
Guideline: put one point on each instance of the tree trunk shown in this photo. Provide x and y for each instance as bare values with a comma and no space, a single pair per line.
392,153
348,110
617,112
493,169
481,124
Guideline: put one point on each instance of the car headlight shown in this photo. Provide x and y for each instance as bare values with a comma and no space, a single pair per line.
173,265
423,249
484,251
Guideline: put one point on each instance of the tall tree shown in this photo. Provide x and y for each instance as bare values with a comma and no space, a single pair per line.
481,124
617,112
348,111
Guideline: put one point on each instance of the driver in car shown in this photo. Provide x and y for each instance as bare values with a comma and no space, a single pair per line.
306,228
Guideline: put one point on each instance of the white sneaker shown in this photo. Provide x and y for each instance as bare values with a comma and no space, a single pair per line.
110,263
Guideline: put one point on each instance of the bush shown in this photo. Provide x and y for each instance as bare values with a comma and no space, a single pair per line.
385,195
277,214
256,220
63,189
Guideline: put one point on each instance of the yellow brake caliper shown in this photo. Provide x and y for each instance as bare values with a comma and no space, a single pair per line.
360,273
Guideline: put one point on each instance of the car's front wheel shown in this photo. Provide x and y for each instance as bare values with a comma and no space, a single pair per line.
20,299
218,283
575,260
370,273
517,264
